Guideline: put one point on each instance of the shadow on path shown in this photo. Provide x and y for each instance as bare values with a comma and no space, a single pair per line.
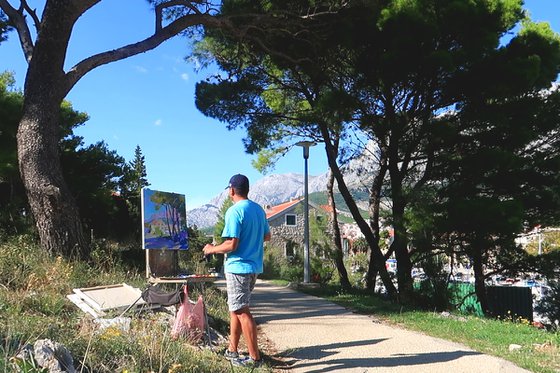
300,305
322,351
333,365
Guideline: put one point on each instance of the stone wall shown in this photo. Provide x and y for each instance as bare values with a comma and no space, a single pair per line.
282,234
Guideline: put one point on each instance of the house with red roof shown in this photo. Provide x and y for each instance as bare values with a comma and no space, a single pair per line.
286,222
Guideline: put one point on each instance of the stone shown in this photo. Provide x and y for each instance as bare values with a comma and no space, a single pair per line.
53,356
514,347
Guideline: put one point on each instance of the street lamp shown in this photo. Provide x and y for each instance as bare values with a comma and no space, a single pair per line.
306,266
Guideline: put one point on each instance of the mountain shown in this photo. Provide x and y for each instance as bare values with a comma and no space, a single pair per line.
278,188
270,190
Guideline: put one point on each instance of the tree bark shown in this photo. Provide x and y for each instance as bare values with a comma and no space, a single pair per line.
479,284
397,168
364,227
53,206
400,246
374,205
339,254
400,241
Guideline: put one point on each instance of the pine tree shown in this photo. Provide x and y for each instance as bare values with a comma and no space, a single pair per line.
140,175
135,176
219,227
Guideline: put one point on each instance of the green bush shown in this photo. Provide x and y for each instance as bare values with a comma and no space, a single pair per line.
434,291
322,270
278,266
356,266
291,269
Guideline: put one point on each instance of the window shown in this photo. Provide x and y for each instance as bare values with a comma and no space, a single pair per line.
290,219
290,249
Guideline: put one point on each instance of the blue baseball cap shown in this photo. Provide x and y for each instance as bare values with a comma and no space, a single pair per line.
239,182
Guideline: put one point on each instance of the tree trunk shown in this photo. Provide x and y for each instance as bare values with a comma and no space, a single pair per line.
53,207
364,227
339,254
400,246
374,205
479,284
400,241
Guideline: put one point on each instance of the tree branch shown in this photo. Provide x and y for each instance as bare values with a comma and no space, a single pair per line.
165,33
32,13
169,4
17,20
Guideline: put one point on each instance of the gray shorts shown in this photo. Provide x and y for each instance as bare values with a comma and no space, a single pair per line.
239,288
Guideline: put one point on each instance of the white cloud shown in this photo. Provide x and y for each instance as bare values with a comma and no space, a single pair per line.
141,69
158,122
185,77
173,59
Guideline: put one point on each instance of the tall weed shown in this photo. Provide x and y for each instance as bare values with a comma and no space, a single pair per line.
33,305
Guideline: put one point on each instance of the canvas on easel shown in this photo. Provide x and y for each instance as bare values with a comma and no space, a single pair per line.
164,231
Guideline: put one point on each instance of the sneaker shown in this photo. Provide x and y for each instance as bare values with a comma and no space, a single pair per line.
231,355
246,362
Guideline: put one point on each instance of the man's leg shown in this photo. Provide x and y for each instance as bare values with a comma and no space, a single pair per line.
234,332
249,329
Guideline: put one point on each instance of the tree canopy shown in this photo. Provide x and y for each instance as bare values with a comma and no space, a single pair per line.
44,36
102,210
412,76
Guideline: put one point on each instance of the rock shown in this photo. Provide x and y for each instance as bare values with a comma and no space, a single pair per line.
514,347
53,356
26,352
120,323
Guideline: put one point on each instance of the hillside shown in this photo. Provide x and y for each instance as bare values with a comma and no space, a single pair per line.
270,190
278,188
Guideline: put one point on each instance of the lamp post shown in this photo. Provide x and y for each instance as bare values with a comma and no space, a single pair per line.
306,265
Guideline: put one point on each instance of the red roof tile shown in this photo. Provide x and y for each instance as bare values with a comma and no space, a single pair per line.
274,210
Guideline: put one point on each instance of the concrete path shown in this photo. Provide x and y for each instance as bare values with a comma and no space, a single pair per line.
318,336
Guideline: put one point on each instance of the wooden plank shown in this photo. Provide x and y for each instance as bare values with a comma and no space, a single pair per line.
75,298
104,298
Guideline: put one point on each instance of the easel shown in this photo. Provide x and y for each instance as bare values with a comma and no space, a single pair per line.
164,236
184,280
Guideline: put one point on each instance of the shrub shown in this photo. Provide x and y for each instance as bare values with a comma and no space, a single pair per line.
356,266
434,291
322,270
278,266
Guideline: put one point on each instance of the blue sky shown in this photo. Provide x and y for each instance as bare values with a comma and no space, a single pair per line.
148,100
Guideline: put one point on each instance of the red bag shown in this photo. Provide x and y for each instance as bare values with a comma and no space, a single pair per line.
190,320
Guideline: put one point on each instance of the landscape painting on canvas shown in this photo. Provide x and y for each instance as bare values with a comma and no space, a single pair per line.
164,218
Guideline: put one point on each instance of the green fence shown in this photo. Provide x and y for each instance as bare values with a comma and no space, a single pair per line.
503,301
465,292
515,302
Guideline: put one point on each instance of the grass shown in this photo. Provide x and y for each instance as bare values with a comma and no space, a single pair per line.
540,351
33,306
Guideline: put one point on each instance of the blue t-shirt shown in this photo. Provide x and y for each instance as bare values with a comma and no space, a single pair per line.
246,221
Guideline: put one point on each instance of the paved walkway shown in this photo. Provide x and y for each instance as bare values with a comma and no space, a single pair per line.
318,336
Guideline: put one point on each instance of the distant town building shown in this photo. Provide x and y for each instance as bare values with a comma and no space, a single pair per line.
286,222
